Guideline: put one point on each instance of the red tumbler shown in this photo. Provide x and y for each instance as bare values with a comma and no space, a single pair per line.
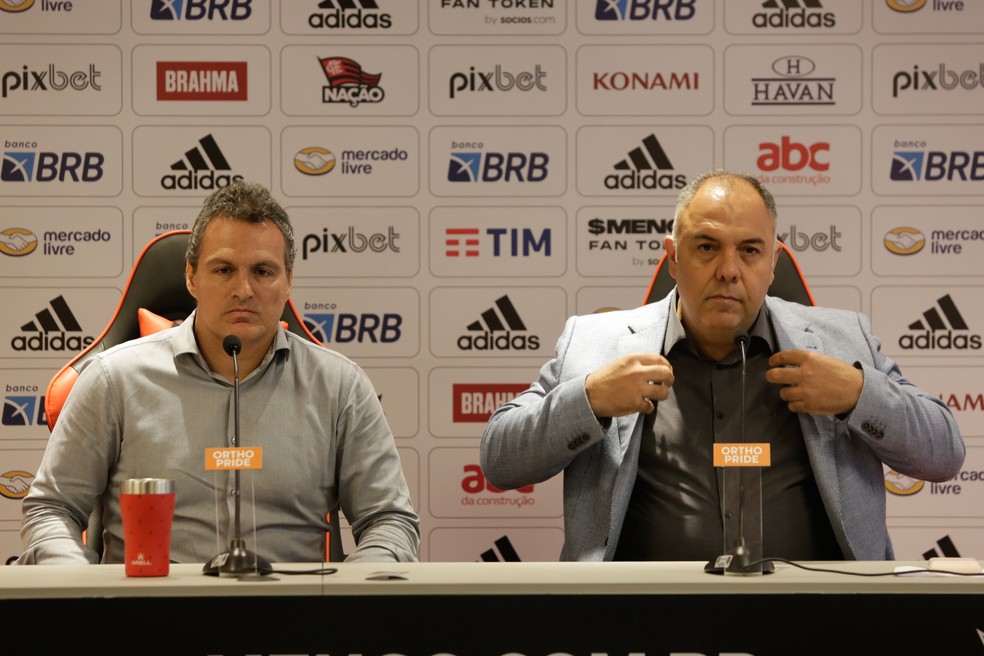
147,508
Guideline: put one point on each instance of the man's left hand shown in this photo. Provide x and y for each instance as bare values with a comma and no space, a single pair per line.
815,383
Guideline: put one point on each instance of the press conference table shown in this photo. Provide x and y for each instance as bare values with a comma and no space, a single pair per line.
529,609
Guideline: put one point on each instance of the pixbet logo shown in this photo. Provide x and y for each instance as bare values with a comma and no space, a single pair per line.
350,241
942,78
497,80
49,79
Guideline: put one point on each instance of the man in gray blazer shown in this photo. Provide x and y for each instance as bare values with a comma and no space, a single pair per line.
632,402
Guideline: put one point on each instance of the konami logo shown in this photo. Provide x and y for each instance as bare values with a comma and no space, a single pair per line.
475,402
202,80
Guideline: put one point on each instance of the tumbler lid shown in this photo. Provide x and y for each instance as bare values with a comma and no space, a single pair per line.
147,486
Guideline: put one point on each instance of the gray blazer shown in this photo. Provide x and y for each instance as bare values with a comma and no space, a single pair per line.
550,428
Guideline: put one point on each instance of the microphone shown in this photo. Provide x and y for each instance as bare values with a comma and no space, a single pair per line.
739,560
238,561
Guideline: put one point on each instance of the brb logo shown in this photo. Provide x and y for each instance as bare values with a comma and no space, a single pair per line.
935,165
348,328
193,10
477,166
23,165
638,10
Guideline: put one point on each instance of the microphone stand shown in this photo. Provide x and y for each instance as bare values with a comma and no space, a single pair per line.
238,561
739,560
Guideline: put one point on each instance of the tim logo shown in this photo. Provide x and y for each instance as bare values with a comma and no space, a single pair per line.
793,85
347,328
941,327
935,166
23,411
506,552
202,167
645,167
48,166
514,242
793,13
475,402
348,83
641,10
193,10
50,331
500,328
350,14
498,167
207,81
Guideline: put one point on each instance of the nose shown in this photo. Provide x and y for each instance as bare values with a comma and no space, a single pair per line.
728,268
242,287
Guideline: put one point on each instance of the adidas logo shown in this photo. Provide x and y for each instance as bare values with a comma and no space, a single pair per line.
350,14
48,331
794,13
200,164
495,330
946,549
645,166
506,550
937,328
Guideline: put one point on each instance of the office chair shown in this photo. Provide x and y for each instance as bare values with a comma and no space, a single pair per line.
155,298
789,283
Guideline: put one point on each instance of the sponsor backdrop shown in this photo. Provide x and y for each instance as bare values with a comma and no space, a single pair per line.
465,174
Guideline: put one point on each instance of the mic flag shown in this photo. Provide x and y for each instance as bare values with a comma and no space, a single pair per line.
232,345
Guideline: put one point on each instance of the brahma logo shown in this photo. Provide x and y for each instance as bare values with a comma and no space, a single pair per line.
314,160
348,83
902,485
18,242
202,81
475,402
904,241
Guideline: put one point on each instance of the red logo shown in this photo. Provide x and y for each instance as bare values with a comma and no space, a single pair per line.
474,482
475,402
792,156
202,81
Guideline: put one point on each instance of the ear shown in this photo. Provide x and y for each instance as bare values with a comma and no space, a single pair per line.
671,254
190,281
775,261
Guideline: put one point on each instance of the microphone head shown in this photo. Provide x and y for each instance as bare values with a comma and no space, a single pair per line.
232,344
740,336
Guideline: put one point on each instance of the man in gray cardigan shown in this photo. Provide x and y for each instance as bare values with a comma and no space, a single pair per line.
632,402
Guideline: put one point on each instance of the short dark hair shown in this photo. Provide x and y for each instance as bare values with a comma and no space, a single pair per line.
687,194
242,201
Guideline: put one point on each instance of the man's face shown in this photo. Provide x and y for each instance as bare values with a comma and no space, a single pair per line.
241,284
723,262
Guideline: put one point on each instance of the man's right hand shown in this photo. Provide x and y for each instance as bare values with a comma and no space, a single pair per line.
630,384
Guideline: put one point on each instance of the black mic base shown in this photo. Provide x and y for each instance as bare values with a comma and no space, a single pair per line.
238,561
739,564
